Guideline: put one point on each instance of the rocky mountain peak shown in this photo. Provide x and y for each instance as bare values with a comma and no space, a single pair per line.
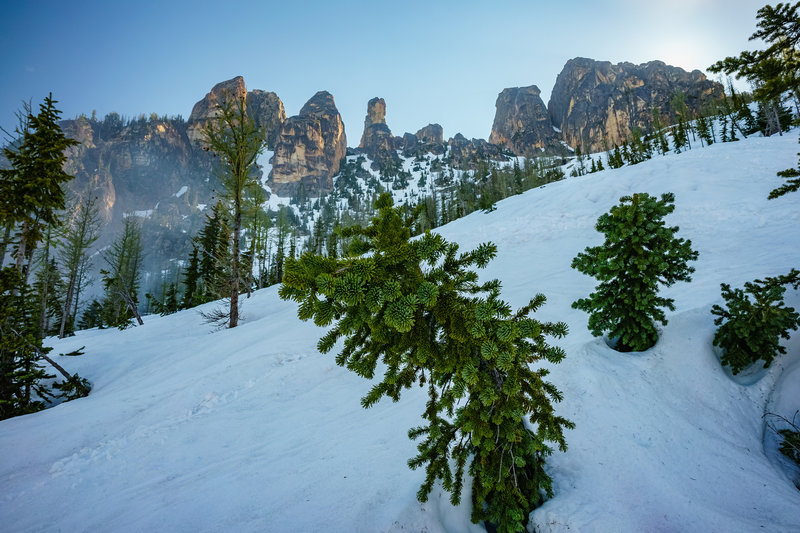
268,113
597,104
265,108
522,123
377,141
309,148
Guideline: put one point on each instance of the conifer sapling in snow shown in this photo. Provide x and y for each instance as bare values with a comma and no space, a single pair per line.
417,306
750,331
639,254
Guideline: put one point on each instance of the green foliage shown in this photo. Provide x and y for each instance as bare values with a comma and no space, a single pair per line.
233,136
790,447
31,193
792,176
775,69
639,254
789,435
750,329
122,276
21,375
418,308
31,197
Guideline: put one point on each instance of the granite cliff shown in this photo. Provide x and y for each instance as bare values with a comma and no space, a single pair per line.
309,148
522,123
597,104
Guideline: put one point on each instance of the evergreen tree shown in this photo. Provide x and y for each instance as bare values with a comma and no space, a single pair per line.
190,279
234,136
122,276
22,377
792,176
213,247
775,70
92,316
31,196
750,330
417,306
31,190
83,229
639,254
704,131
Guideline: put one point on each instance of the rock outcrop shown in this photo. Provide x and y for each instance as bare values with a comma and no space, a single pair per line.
133,166
309,148
267,112
597,104
522,123
207,107
377,141
265,108
429,139
465,153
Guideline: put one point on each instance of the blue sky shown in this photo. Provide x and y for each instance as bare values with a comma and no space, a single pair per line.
435,61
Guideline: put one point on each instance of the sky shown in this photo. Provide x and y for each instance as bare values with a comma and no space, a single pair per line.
432,61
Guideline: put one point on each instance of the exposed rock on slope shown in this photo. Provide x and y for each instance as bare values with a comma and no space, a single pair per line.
265,108
593,101
465,153
377,141
429,139
207,107
268,112
309,148
522,123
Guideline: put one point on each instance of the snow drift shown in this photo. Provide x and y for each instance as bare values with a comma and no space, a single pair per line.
251,429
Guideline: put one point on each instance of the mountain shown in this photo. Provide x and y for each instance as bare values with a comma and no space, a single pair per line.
252,429
595,105
309,148
522,123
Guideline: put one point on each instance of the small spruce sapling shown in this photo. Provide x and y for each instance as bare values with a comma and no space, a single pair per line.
639,254
750,330
417,306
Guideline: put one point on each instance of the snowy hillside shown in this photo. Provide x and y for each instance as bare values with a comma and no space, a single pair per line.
189,429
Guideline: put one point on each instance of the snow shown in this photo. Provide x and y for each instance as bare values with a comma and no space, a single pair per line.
182,191
251,429
142,213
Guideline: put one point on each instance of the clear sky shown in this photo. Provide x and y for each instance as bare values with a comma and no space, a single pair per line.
433,61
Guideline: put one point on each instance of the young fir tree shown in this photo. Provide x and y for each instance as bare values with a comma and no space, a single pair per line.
83,229
704,130
750,330
792,177
234,137
122,275
639,254
31,197
31,190
190,279
417,306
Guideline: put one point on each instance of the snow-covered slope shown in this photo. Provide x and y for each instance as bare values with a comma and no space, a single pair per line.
251,429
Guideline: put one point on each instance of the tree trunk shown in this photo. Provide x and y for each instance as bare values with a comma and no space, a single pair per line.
67,304
4,244
237,225
45,290
132,306
21,248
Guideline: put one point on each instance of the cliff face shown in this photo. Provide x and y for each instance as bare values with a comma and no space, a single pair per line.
265,108
377,141
267,112
309,148
522,123
596,101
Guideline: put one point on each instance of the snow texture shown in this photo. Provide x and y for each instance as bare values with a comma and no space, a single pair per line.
252,429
